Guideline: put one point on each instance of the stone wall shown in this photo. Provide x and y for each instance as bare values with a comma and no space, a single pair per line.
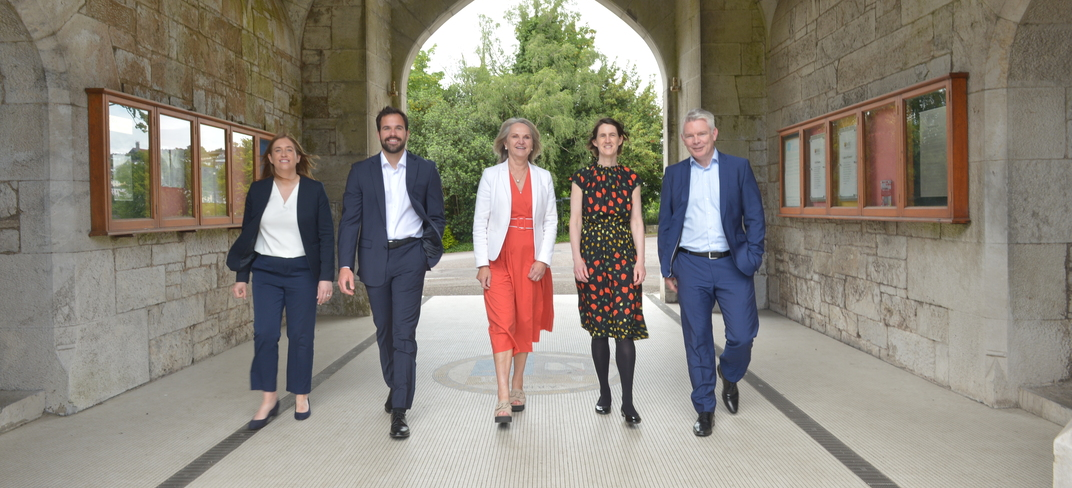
957,304
121,311
1040,169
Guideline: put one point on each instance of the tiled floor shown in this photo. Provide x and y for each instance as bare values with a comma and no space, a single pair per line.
915,433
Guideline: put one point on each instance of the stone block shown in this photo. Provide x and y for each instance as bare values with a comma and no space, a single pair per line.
853,34
316,37
139,288
133,68
872,331
911,351
967,353
194,261
898,312
843,320
22,128
170,353
84,287
175,315
941,363
208,242
895,247
9,241
887,271
198,280
1040,351
133,257
9,199
1062,458
862,298
957,275
833,290
931,322
26,289
850,261
1038,281
808,292
111,357
722,59
1037,123
112,13
1039,212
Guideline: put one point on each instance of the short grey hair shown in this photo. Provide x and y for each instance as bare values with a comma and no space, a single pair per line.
699,114
504,131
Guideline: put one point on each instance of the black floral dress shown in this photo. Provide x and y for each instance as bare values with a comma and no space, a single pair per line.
609,304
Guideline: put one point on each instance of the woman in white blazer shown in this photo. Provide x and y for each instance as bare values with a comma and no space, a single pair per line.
514,230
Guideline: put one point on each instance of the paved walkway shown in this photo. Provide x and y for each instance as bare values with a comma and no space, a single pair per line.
814,413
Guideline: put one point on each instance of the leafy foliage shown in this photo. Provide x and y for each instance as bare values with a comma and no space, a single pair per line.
556,79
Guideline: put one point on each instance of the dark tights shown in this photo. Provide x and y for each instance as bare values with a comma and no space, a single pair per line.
625,356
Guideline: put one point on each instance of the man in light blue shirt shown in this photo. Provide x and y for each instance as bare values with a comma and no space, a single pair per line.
711,232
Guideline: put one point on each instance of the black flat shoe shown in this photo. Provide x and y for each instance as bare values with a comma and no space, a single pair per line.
631,418
303,415
731,396
256,424
704,424
601,408
399,427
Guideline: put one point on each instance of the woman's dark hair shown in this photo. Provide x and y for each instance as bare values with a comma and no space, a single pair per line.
305,162
608,121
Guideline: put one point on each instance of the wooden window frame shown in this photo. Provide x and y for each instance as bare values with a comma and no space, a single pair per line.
956,208
102,223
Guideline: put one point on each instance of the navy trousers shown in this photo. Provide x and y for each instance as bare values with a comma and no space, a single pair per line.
396,309
700,283
283,284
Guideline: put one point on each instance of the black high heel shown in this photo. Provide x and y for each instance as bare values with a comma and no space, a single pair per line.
258,424
303,415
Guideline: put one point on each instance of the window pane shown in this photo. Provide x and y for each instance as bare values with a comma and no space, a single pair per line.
880,155
213,172
815,163
791,178
176,168
242,151
128,135
927,165
843,159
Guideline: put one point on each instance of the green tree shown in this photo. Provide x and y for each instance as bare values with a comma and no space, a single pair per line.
556,79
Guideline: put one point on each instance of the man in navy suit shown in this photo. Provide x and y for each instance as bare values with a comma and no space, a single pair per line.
711,231
393,210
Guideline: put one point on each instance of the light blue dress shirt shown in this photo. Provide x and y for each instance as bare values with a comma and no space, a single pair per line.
703,219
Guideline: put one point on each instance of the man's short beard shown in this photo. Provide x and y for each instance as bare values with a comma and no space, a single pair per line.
387,149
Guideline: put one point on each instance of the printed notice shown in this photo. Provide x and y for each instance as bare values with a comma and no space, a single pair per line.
932,153
847,163
792,172
817,168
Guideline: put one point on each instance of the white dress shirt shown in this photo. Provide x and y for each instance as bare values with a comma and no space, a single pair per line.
402,220
703,217
279,234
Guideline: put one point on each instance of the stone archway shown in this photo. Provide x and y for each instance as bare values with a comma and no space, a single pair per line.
27,349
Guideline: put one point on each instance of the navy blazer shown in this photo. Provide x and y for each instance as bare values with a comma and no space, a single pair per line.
364,215
314,225
740,204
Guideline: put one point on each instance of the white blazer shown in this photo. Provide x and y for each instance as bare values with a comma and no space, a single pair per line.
492,216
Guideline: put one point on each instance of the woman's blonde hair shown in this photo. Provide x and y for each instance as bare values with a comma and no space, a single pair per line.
499,146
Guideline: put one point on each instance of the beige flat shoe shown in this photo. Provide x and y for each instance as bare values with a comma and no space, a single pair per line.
502,413
515,397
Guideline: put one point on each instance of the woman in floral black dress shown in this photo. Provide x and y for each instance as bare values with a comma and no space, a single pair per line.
607,238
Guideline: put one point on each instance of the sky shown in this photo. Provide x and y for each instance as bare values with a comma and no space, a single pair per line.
460,35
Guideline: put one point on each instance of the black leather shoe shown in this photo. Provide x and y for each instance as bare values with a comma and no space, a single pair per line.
387,404
602,408
399,428
731,396
256,424
631,418
303,415
704,424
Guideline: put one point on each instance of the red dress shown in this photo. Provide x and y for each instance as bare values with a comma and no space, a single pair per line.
518,308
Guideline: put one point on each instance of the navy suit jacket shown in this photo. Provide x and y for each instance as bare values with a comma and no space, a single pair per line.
364,215
740,204
314,225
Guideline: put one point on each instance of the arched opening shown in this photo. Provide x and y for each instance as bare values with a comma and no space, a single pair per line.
483,92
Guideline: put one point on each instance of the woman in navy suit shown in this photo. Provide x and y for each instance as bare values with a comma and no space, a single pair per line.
286,241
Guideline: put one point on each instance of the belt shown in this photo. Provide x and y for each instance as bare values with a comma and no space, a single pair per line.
401,242
708,255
